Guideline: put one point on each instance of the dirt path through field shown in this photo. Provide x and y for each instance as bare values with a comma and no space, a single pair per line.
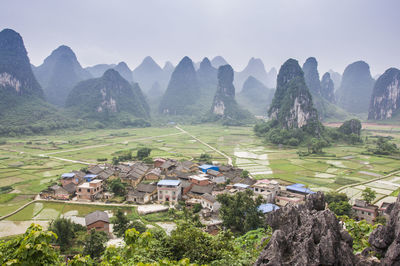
209,146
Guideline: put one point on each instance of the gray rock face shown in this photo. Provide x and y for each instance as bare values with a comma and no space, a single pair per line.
311,75
355,91
328,88
292,105
385,100
385,240
307,235
225,92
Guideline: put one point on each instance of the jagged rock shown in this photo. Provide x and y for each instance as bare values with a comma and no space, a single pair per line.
311,75
354,93
385,240
385,100
328,88
59,73
292,105
183,90
307,235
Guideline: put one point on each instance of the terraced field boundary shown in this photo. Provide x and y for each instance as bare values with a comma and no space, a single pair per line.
369,181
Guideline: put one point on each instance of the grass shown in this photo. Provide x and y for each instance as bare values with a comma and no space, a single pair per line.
22,167
4,198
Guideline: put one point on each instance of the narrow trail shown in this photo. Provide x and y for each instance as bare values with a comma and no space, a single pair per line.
209,146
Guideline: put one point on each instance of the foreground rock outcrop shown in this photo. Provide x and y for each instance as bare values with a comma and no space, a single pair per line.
308,234
385,240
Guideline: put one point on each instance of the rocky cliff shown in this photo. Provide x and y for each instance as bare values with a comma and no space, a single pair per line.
292,105
311,75
22,106
183,90
59,73
308,234
107,97
16,76
385,240
385,100
328,88
224,104
355,91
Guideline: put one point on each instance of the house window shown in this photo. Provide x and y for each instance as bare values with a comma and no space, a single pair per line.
79,190
369,214
362,212
88,190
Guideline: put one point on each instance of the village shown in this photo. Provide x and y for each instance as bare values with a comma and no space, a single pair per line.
166,182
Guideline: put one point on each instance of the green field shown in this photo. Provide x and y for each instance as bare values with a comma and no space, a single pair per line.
29,164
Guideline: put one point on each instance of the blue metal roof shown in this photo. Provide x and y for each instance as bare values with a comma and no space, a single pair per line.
166,182
90,176
68,175
267,207
241,185
299,188
206,166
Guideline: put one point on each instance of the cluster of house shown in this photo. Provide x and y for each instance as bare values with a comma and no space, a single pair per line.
170,181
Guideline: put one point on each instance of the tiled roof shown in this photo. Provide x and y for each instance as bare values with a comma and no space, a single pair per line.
96,216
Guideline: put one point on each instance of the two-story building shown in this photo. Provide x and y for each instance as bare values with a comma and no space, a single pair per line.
268,189
88,191
363,210
169,190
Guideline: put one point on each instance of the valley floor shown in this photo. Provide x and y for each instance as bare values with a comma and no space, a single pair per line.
28,164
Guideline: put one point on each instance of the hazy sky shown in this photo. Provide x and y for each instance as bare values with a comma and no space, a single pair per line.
336,32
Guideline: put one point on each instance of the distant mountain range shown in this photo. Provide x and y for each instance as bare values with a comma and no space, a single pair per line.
59,73
59,91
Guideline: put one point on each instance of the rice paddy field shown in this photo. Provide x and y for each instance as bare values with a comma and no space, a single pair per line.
29,164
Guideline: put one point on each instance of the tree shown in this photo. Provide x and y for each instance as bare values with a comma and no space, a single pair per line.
121,224
244,174
239,212
65,230
338,203
32,248
143,153
95,243
204,157
368,195
117,187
